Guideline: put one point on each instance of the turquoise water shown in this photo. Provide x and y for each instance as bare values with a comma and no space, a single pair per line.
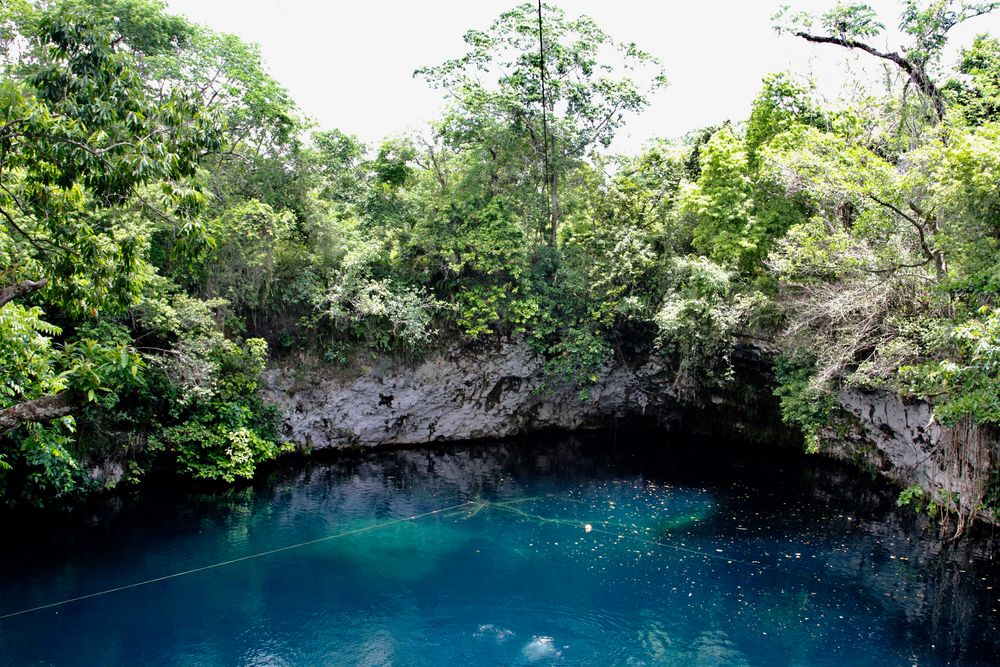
563,551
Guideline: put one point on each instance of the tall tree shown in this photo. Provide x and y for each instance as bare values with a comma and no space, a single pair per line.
82,136
591,82
977,93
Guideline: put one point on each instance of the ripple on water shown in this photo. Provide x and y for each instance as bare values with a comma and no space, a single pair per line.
498,634
674,571
540,649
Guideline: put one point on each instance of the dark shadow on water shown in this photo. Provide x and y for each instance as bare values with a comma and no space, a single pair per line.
807,532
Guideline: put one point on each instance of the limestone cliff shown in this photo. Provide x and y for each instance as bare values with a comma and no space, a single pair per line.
454,394
495,391
902,441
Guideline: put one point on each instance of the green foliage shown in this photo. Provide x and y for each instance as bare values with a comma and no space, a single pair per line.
737,208
720,204
222,430
577,358
41,462
28,360
39,466
965,384
498,119
597,96
782,103
929,24
965,195
350,296
81,132
914,496
849,272
103,129
482,258
250,241
853,20
163,211
228,73
142,24
201,397
701,315
339,162
803,403
976,96
617,234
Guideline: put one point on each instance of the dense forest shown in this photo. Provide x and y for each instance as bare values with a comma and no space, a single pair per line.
169,221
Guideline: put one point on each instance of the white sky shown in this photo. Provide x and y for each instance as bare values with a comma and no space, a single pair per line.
349,65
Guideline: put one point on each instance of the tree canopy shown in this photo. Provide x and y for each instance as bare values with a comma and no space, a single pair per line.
170,224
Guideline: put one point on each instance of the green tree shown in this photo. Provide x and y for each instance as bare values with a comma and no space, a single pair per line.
856,25
977,96
782,103
721,202
81,140
498,112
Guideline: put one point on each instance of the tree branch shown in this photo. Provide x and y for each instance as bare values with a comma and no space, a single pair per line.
41,409
912,69
10,292
929,253
26,235
600,126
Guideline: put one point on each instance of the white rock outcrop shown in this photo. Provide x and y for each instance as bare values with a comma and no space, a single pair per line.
454,394
494,391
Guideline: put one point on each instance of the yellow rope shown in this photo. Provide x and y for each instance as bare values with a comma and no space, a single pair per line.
477,506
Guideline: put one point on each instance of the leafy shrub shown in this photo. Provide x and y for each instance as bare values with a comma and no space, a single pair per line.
577,359
803,402
966,383
701,315
224,430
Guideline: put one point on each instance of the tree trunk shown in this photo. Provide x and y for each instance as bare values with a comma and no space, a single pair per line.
41,409
553,207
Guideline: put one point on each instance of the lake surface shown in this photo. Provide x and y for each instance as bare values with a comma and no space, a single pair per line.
626,550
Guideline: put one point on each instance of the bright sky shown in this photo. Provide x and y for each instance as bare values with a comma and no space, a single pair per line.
349,65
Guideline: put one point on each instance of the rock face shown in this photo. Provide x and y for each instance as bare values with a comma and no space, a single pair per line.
494,392
455,394
904,443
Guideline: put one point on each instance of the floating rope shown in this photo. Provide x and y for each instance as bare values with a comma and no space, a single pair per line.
476,506
235,560
621,533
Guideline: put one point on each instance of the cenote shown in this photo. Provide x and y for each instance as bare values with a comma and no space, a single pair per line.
578,550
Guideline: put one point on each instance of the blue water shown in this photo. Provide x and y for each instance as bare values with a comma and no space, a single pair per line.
695,554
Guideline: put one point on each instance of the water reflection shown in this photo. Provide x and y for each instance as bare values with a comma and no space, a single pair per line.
696,553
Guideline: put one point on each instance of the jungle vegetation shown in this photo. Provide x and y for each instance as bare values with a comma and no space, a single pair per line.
169,221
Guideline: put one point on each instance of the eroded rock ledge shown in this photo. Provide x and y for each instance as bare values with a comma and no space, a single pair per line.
902,441
454,394
495,391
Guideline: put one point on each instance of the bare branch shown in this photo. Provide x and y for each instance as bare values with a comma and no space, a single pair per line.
929,253
916,73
